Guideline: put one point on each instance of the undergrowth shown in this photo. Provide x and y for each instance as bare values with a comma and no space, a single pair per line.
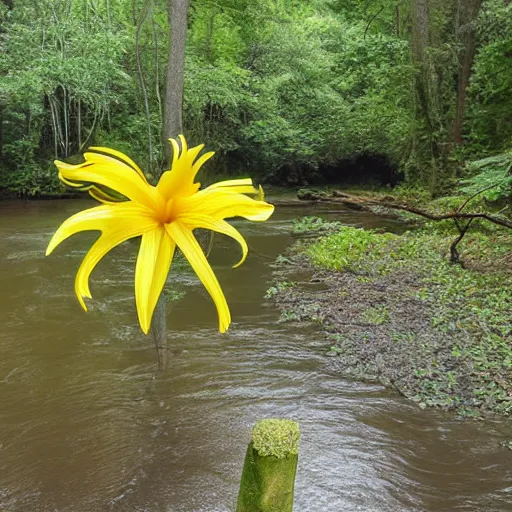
469,307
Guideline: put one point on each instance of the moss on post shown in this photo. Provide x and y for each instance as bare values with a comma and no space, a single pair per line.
268,477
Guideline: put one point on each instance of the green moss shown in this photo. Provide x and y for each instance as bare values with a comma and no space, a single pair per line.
276,437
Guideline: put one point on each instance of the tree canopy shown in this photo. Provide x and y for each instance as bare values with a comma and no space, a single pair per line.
290,91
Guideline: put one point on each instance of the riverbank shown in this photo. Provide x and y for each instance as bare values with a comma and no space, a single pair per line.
394,309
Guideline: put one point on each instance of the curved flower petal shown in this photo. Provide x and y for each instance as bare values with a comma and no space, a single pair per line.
117,224
153,264
240,186
107,241
114,175
103,196
179,180
120,156
192,222
231,183
223,203
105,218
194,254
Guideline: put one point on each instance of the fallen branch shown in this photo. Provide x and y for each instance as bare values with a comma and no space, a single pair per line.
366,203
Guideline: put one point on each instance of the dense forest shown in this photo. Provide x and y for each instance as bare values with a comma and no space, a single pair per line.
293,92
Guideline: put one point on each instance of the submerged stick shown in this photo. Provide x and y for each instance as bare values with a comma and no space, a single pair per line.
268,477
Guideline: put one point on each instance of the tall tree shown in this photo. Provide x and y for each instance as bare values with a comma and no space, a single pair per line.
172,126
424,81
466,34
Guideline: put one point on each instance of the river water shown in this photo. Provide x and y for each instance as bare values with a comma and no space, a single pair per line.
88,423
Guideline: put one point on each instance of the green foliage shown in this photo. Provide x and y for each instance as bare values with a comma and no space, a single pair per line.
279,287
492,175
376,315
32,181
313,224
60,73
490,99
348,249
281,90
468,308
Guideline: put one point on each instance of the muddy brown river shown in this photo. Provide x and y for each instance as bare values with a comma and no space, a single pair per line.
88,423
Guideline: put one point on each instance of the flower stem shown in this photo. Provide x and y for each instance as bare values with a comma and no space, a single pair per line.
159,332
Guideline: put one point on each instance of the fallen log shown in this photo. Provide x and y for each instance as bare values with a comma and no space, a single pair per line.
370,203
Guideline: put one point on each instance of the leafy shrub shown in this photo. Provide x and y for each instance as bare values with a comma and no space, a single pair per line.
493,173
347,248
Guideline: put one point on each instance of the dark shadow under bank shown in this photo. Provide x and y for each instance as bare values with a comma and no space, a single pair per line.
361,170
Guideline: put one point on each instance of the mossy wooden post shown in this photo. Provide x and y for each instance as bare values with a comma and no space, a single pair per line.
268,477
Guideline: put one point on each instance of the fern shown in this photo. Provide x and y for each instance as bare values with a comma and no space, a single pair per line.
493,173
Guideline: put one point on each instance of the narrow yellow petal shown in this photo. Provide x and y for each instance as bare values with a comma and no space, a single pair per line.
98,193
240,186
179,180
93,158
194,254
74,184
184,146
192,222
117,223
200,162
91,259
232,183
64,165
175,151
120,156
153,264
222,204
103,197
115,177
238,189
104,218
119,230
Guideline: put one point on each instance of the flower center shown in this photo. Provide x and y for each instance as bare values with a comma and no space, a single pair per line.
166,215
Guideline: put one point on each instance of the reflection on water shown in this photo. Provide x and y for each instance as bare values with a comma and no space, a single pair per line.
87,423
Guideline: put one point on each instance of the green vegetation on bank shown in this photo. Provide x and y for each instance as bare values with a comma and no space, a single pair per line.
288,91
440,333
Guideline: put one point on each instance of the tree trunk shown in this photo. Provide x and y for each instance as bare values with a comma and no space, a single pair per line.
420,42
1,132
468,14
173,102
139,22
171,127
427,90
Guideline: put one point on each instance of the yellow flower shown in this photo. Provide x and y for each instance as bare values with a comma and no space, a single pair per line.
164,215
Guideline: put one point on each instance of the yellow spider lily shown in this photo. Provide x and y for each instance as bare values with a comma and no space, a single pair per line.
164,215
